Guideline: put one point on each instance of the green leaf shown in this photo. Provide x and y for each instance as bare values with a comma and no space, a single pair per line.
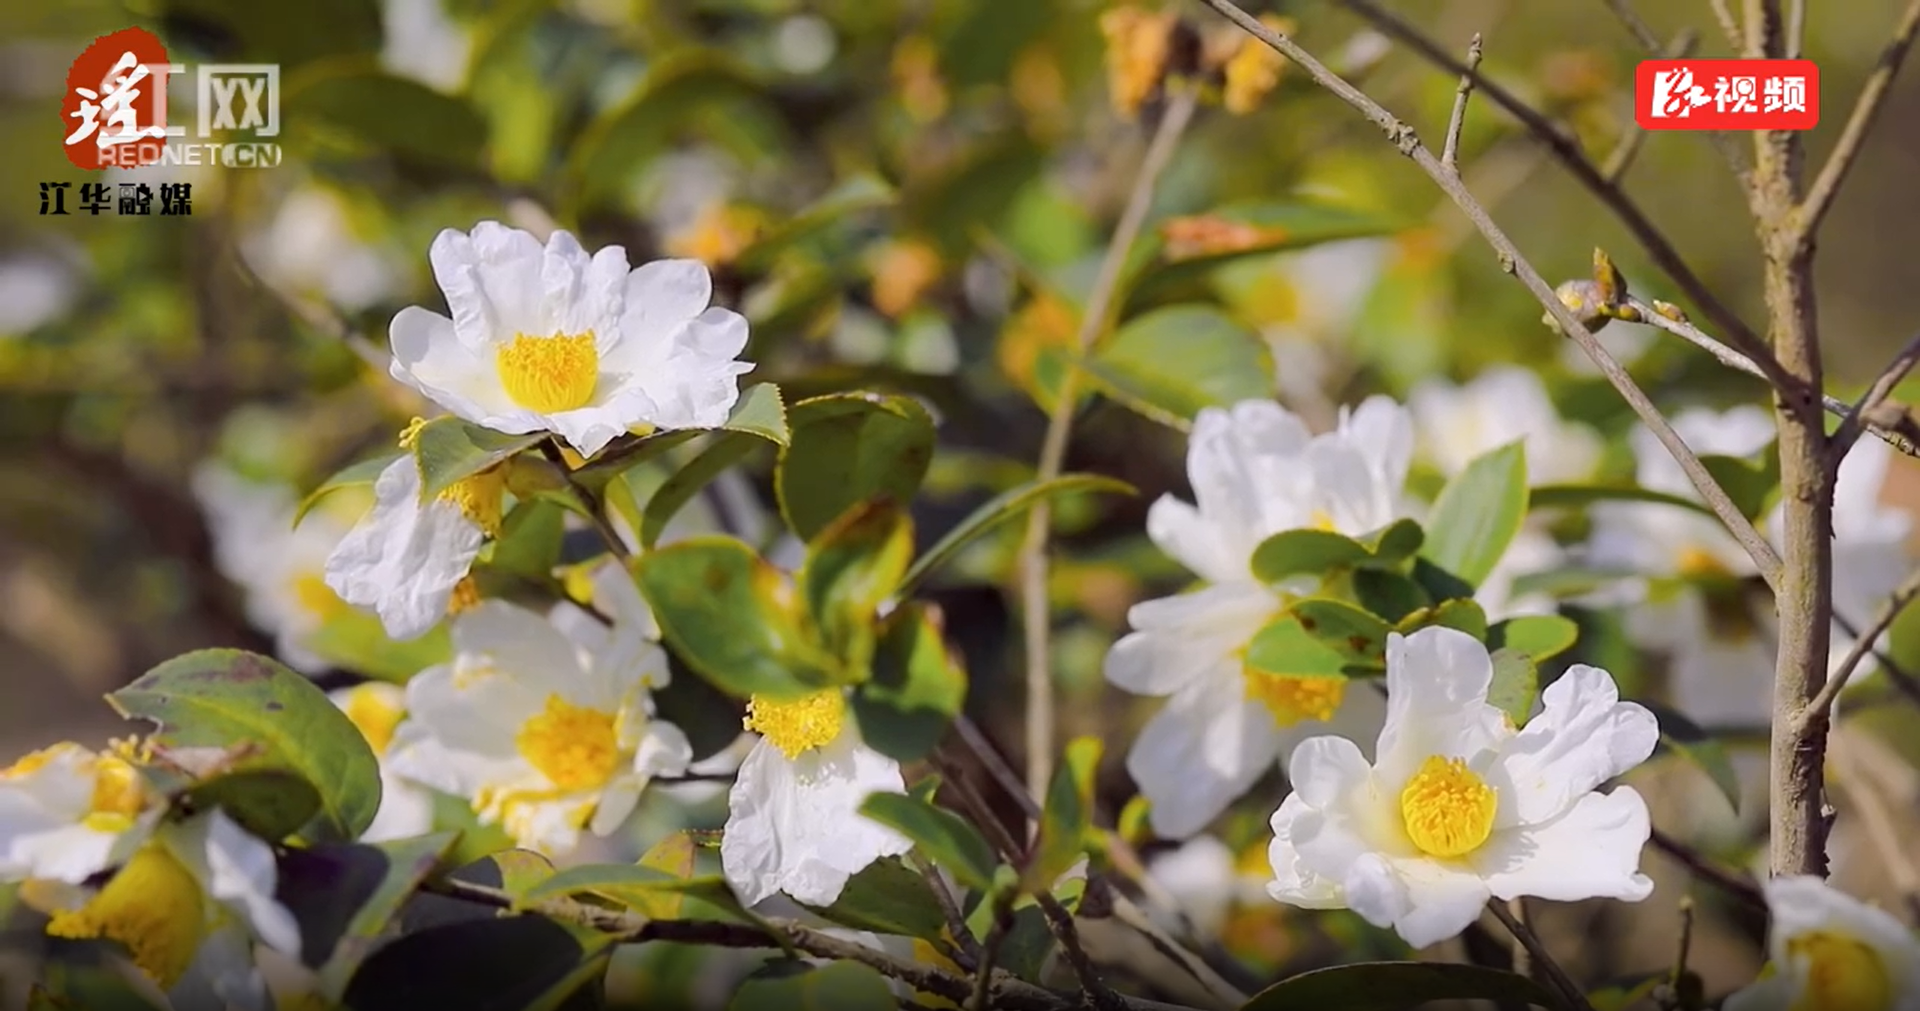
1439,584
288,37
1002,507
1749,481
354,640
1515,686
1580,496
1388,594
1067,816
918,686
1478,513
353,99
1681,736
1540,636
673,856
1395,986
450,450
1395,541
1275,226
888,897
853,565
849,448
1306,552
530,540
733,617
224,697
270,803
353,475
1459,613
1169,363
639,888
761,411
678,490
1358,637
1284,648
799,986
91,976
849,197
945,838
488,964
345,897
1569,581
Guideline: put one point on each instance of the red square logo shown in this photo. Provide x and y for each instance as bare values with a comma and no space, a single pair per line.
1726,95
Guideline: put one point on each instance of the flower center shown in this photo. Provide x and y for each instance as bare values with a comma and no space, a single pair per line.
576,748
119,793
1447,809
311,592
801,725
479,496
33,762
465,596
549,374
375,709
1842,972
152,906
1699,563
1294,699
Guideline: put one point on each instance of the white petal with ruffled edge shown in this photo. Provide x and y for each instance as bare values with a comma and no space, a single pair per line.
404,559
44,806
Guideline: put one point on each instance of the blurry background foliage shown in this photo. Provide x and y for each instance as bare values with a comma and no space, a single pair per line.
906,195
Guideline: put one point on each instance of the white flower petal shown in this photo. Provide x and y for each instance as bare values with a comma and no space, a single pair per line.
429,357
1374,891
1195,541
406,810
1325,769
531,651
1441,902
404,559
225,962
239,870
1583,736
1202,750
1437,682
1293,882
1182,638
664,295
794,826
1592,851
589,429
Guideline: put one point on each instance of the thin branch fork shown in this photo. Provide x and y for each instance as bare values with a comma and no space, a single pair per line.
1863,410
1853,137
1568,153
1450,151
1821,707
1408,142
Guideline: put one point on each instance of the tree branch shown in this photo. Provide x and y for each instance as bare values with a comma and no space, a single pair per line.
1567,151
1863,410
1734,883
1853,137
1736,39
1035,613
1821,707
1557,977
1621,157
1450,151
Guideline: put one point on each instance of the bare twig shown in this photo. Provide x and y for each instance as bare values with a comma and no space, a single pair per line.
1659,316
1036,615
1866,108
596,510
1408,142
971,955
1822,705
1736,39
1567,151
1450,151
1099,994
1877,393
1556,977
1522,961
1897,675
1734,883
1621,157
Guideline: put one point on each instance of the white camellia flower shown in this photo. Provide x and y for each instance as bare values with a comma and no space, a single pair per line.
281,567
1208,882
1827,949
189,906
405,558
1255,471
1457,423
1458,807
376,709
1719,640
423,43
793,821
541,735
554,340
310,247
68,813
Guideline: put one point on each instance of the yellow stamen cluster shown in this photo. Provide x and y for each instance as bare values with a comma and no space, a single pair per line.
152,906
1292,700
550,374
480,497
374,711
1447,809
801,725
411,434
575,747
1842,973
119,795
1139,44
465,596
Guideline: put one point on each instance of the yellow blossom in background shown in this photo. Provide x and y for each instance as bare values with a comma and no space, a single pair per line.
902,272
1254,69
718,235
916,76
1038,86
1139,44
